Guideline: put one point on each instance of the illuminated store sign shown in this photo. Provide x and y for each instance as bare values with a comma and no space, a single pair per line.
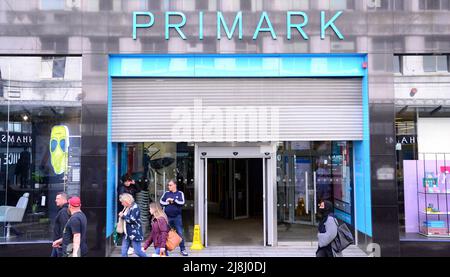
295,21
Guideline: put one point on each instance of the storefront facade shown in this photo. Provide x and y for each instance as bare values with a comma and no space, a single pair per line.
146,66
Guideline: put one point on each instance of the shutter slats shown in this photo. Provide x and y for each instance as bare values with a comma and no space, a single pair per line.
147,109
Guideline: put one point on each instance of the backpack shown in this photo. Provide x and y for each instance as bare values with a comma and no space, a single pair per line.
343,238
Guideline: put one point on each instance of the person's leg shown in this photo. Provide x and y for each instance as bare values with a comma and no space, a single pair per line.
179,227
59,252
54,253
125,246
138,249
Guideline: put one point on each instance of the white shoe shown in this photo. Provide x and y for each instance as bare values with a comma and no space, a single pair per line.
130,251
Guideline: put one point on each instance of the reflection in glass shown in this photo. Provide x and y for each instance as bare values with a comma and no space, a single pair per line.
28,183
152,165
307,173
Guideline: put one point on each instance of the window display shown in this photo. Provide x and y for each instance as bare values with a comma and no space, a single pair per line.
40,143
152,165
427,192
308,172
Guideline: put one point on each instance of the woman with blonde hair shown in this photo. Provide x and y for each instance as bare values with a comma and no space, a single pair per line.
131,216
160,230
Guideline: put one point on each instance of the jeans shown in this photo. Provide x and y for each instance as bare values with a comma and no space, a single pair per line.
136,246
56,252
177,223
157,251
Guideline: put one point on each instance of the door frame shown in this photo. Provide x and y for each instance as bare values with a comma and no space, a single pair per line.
264,151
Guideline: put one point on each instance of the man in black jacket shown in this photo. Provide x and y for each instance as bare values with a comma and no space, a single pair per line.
60,222
129,185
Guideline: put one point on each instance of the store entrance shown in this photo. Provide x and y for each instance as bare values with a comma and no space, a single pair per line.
235,201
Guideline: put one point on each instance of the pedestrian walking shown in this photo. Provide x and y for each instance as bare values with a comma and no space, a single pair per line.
132,235
327,230
160,230
59,223
74,240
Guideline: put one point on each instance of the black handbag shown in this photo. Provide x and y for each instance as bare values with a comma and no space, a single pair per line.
343,238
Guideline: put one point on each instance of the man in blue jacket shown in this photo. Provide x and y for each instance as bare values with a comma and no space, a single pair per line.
173,201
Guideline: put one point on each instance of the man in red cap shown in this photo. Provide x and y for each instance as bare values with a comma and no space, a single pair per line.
74,240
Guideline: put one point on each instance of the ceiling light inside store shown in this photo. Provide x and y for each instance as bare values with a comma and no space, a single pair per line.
25,117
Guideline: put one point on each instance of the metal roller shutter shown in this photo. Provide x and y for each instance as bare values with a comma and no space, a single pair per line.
292,109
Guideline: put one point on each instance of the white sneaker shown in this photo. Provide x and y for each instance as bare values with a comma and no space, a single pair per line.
130,251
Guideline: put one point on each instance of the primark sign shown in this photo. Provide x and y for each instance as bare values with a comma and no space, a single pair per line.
295,24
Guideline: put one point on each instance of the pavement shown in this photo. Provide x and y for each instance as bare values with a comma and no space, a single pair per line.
298,250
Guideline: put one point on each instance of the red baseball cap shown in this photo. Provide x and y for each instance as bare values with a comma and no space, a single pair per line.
75,201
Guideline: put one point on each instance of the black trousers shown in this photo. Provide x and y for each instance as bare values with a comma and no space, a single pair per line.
324,252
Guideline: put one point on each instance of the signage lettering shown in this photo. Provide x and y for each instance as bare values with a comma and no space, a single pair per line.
15,139
406,139
295,20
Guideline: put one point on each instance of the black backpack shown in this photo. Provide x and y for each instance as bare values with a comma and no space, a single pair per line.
343,238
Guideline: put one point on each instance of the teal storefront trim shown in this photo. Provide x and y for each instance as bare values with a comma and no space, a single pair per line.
250,65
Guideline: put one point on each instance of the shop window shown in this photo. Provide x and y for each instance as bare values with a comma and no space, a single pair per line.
39,149
434,4
152,165
435,63
307,173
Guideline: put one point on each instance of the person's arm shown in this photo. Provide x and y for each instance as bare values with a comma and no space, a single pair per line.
63,217
148,242
76,230
330,232
58,227
163,201
180,202
57,243
76,244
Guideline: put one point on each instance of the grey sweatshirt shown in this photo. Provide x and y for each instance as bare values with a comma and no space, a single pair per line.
331,232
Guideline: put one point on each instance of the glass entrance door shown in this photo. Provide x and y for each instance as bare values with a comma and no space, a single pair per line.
251,187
